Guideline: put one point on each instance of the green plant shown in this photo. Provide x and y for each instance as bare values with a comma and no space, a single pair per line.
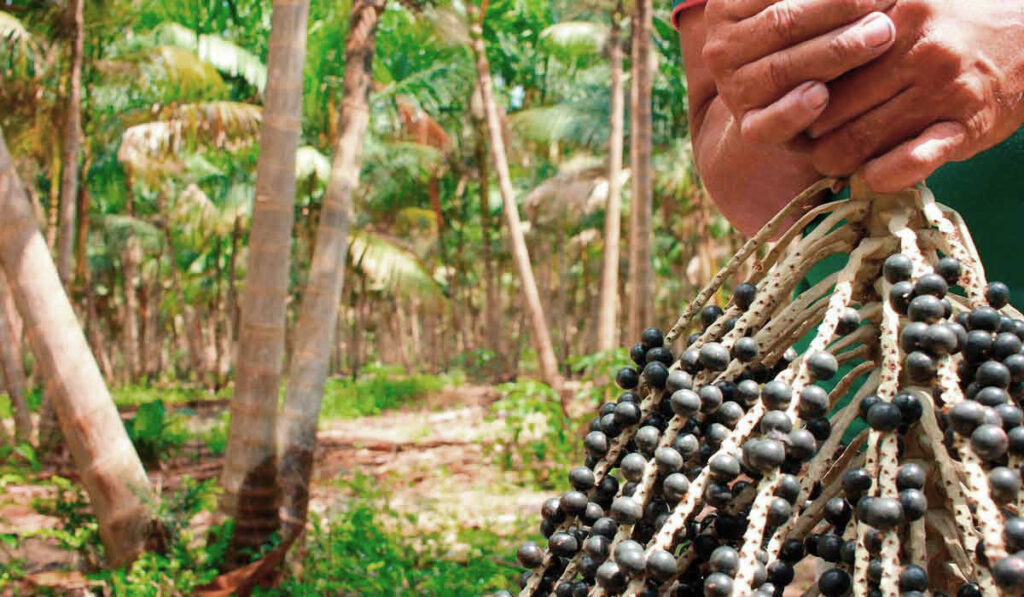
14,567
22,453
135,395
480,364
79,531
366,551
377,389
216,437
538,440
597,371
186,562
156,435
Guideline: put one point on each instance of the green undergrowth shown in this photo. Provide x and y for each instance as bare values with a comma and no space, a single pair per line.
138,395
367,549
376,389
371,550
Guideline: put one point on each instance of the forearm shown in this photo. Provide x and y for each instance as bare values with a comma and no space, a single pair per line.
749,182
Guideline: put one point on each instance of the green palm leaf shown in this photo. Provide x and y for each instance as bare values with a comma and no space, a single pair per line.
392,268
309,162
116,229
572,40
19,50
186,74
223,55
154,146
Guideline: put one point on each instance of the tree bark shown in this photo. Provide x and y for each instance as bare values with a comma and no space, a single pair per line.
110,470
531,298
131,258
13,371
72,141
495,332
607,323
318,313
251,493
641,310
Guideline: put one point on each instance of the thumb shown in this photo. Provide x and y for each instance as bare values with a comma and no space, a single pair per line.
917,159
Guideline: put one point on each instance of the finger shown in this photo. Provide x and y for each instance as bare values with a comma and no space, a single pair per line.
846,149
917,159
858,92
786,118
790,22
821,59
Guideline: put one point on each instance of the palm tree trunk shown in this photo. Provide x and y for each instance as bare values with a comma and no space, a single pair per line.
130,261
82,227
607,328
531,298
72,136
14,373
53,208
318,314
249,480
641,288
361,301
494,331
110,470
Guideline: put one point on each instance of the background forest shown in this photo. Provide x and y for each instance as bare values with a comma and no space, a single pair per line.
422,266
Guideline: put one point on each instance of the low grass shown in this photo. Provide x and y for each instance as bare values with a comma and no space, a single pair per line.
376,390
371,550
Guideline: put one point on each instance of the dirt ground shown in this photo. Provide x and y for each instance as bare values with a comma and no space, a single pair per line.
429,459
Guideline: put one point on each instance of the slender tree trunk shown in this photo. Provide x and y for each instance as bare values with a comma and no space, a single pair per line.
72,138
607,323
641,310
145,327
318,313
110,470
359,327
53,208
14,373
251,492
231,299
494,332
531,298
130,260
82,227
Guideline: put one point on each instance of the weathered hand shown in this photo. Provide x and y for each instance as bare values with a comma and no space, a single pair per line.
951,87
771,58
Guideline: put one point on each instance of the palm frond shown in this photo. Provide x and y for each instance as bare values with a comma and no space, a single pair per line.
116,229
309,162
392,268
673,167
572,40
450,26
219,124
223,55
566,198
410,160
186,74
582,123
19,50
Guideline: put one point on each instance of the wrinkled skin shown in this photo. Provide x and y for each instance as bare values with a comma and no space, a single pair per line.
890,90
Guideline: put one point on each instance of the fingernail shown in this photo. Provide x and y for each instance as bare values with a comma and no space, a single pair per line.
815,96
878,31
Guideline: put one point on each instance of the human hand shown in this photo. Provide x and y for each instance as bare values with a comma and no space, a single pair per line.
771,58
951,87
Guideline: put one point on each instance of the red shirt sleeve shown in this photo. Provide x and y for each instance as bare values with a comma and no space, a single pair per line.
680,7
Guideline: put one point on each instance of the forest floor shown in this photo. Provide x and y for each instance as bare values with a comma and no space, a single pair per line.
429,461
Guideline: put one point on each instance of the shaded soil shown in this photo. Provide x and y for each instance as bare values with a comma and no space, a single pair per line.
429,460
